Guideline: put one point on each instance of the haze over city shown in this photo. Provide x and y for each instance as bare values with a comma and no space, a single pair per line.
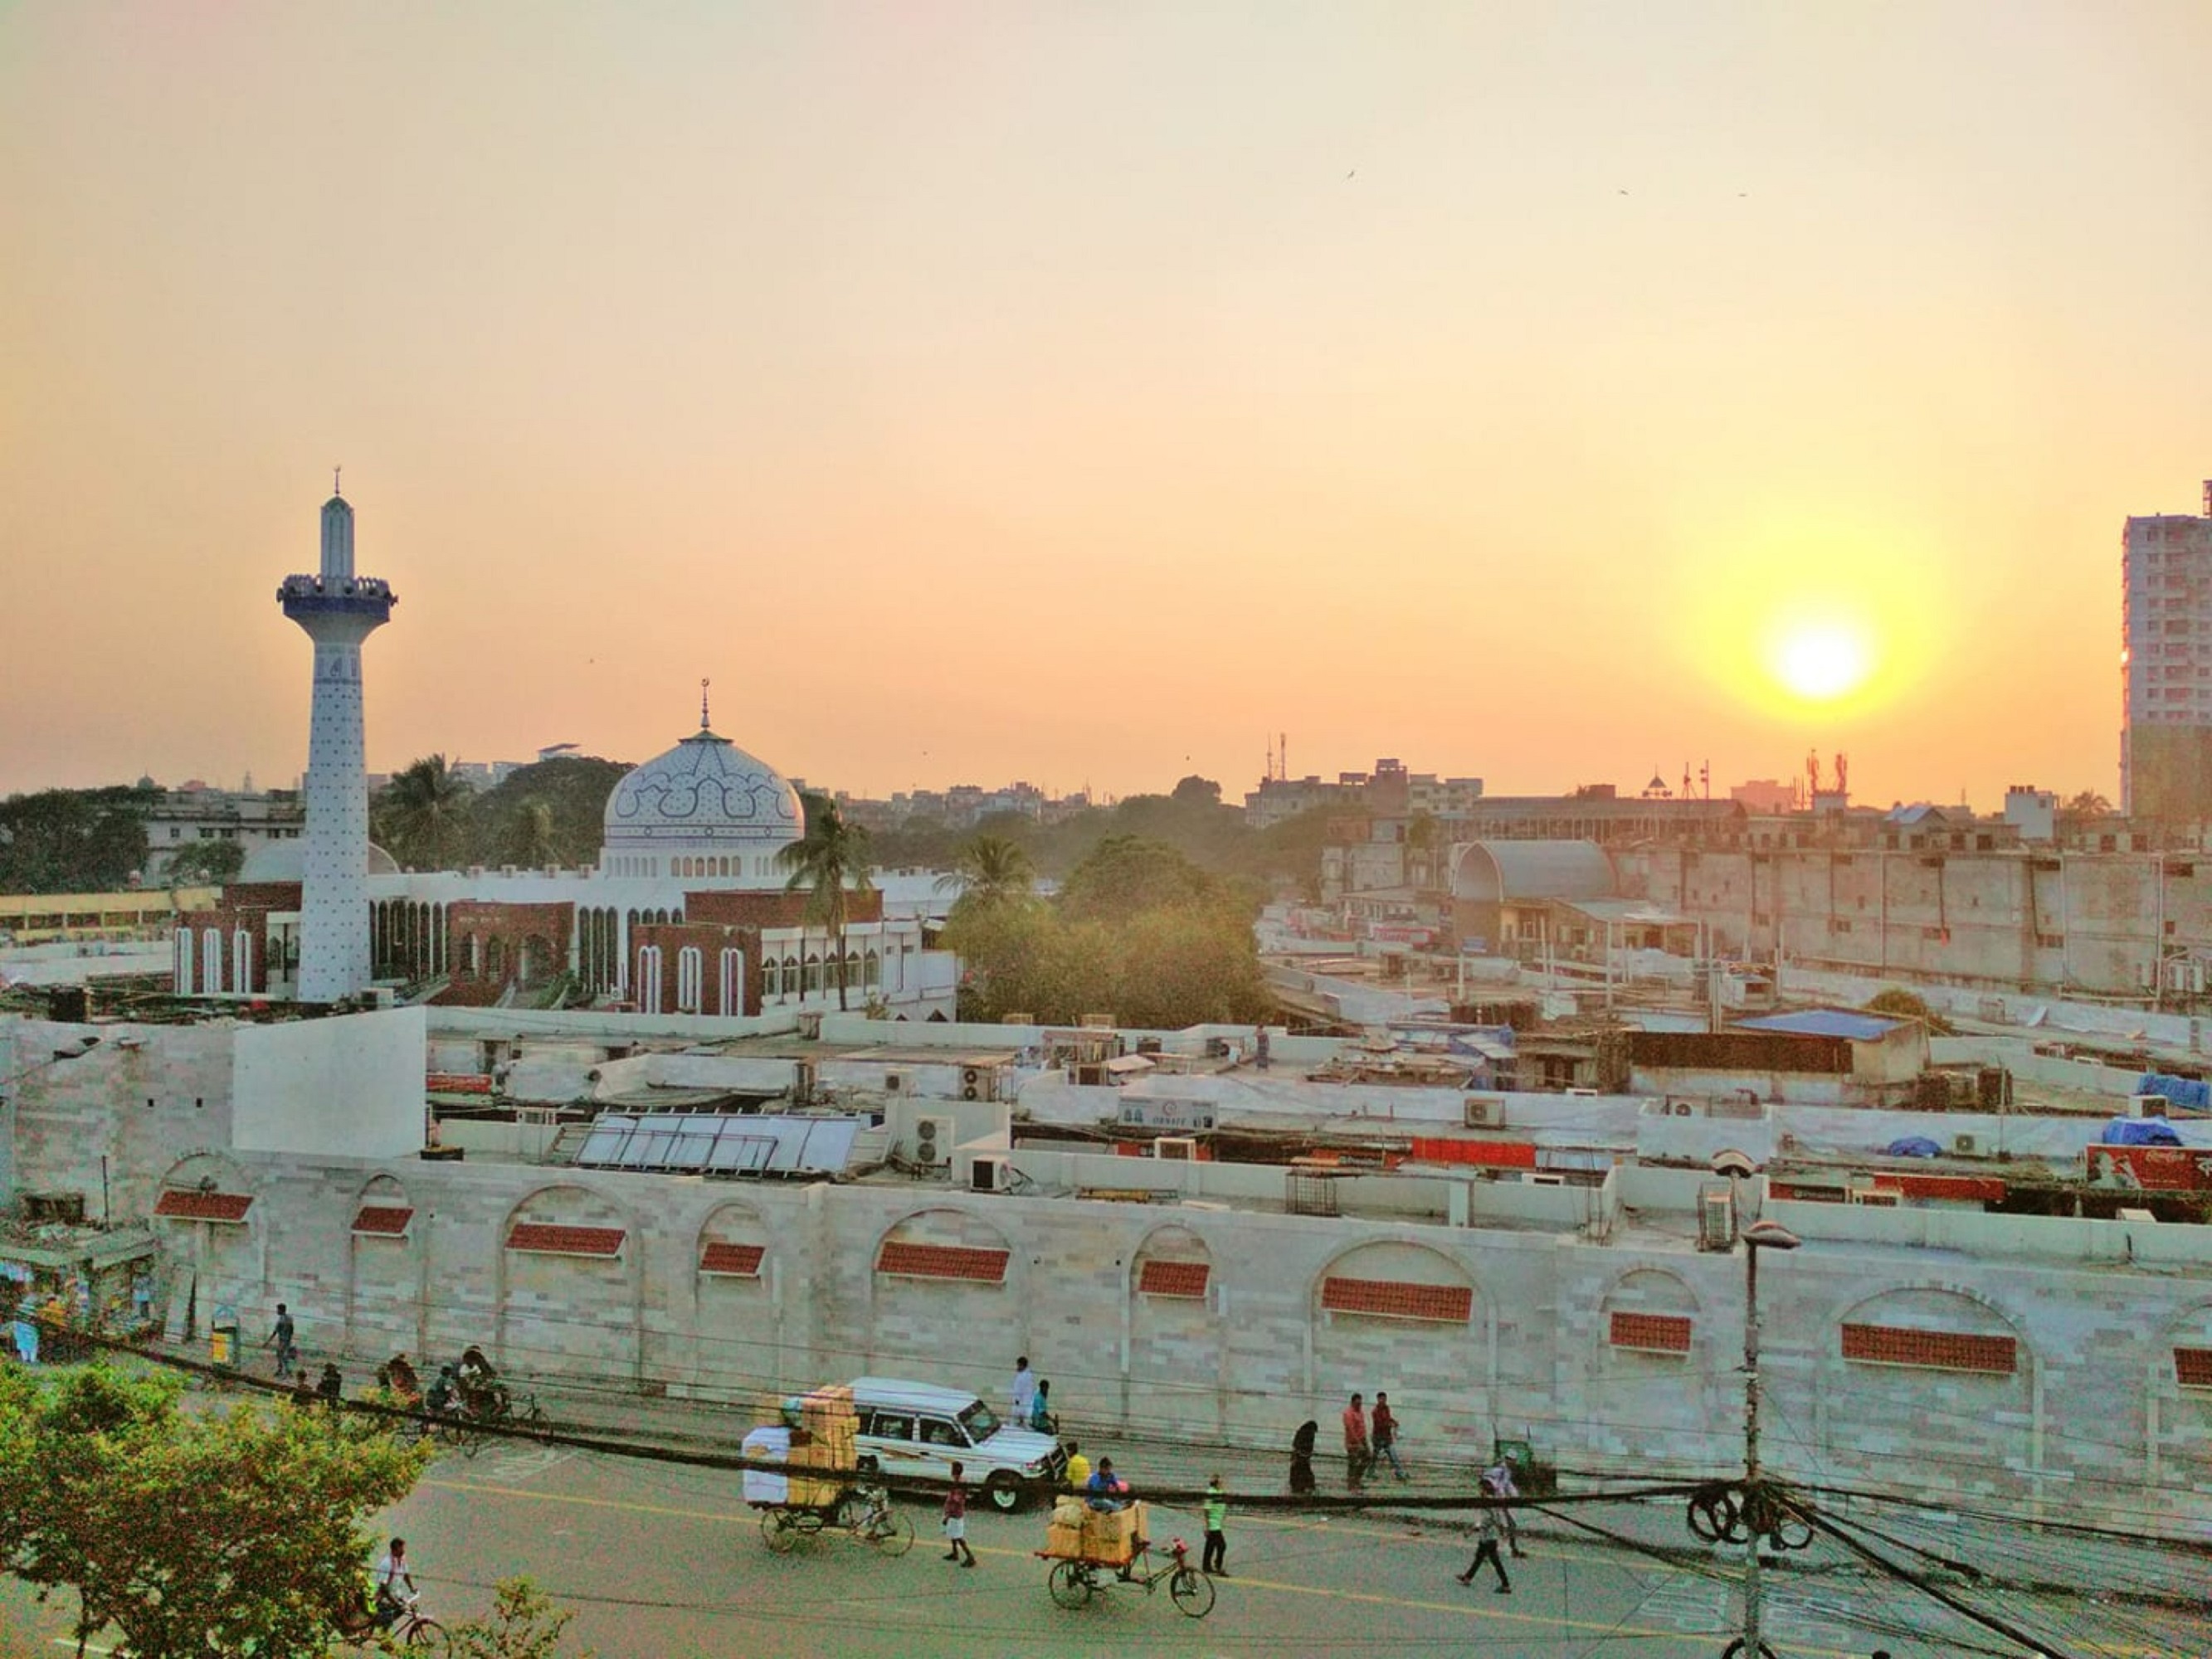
1545,392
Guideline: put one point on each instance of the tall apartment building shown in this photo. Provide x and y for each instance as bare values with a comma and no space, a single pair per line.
2165,666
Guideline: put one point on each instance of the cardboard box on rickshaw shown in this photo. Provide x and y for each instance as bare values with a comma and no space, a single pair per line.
1078,1532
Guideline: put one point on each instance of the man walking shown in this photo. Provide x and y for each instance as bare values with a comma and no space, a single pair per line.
956,1521
281,1338
1355,1444
1499,1478
1385,1437
1485,1549
1023,1397
1215,1558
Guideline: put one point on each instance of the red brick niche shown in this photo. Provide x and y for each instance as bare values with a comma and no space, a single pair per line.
228,1209
1391,1298
732,1260
1940,1351
542,1238
1186,1278
1650,1333
383,1220
2192,1367
961,1262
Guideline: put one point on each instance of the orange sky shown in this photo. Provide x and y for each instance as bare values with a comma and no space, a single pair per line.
977,392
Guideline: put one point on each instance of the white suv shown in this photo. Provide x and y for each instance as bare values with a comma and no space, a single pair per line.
915,1429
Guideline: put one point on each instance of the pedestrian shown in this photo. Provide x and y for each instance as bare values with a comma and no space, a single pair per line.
302,1396
1384,1439
1040,1418
1023,1394
391,1572
1355,1442
1078,1467
1499,1478
1215,1558
1485,1549
956,1521
1302,1456
280,1338
329,1387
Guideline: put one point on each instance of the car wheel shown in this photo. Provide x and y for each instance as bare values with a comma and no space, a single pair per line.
1005,1492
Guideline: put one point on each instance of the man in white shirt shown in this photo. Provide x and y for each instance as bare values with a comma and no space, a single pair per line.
391,1573
1024,1392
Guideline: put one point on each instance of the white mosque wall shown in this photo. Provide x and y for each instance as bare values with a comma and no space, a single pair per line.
350,1087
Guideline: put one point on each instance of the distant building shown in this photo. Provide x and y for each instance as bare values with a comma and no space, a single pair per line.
1766,795
182,816
1389,791
2166,666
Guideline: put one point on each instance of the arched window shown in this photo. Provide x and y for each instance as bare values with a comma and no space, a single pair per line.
852,969
733,1000
771,978
498,958
813,973
183,962
690,973
241,963
211,961
874,971
648,978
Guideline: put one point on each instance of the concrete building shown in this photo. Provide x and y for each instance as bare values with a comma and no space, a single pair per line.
337,610
2166,666
253,818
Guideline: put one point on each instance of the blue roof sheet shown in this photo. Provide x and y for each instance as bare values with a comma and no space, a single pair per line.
1828,1023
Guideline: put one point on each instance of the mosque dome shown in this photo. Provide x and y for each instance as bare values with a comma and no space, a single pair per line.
704,795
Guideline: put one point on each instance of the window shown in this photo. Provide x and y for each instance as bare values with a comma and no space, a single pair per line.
937,1431
892,1426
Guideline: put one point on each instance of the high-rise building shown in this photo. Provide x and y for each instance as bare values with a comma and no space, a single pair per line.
2165,666
337,610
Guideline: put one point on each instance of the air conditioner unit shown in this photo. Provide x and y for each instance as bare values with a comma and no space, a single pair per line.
932,1141
1716,1218
895,1083
1684,1109
1964,1145
809,1028
2148,1106
1181,1146
989,1174
1486,1114
977,1082
1543,1178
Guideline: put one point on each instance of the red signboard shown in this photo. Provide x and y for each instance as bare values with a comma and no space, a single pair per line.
1986,1189
2166,1169
1495,1154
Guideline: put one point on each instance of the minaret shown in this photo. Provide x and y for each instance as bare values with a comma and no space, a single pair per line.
339,611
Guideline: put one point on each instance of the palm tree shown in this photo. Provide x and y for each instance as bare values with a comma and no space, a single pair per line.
530,842
828,860
422,816
2087,804
990,870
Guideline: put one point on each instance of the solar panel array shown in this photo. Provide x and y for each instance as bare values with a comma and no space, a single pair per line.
717,1143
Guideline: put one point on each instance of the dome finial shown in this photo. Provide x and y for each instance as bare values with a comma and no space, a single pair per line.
702,704
336,472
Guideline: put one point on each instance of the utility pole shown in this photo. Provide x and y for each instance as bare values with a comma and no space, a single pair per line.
1757,1510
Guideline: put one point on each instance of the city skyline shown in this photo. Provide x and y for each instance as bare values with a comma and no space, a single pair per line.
1546,393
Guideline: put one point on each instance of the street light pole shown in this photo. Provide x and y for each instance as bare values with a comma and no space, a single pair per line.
1756,1511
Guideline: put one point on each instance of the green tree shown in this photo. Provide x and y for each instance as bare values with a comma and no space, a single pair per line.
990,870
72,841
2087,804
524,1625
215,1534
573,788
1899,1003
204,864
422,816
531,839
828,862
1125,875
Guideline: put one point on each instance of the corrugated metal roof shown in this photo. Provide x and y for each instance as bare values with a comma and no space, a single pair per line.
1824,1022
1491,871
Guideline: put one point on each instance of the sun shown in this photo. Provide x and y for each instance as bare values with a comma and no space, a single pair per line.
1820,660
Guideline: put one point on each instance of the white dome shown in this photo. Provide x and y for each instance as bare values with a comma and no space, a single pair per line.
704,795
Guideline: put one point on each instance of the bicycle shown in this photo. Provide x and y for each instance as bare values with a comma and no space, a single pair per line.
408,1629
1074,1580
862,1513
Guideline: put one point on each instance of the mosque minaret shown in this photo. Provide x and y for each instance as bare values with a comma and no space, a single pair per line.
337,610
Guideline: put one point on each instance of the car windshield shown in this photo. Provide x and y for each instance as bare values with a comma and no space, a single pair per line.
980,1422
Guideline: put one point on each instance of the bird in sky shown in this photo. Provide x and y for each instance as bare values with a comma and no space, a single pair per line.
1350,176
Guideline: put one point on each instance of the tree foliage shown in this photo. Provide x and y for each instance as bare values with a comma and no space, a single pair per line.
989,871
429,817
72,841
1139,931
524,1625
205,864
1899,1003
828,862
214,1533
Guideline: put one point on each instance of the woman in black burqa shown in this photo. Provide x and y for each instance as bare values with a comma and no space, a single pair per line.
1302,1448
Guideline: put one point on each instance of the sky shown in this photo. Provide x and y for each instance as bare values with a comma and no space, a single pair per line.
1086,393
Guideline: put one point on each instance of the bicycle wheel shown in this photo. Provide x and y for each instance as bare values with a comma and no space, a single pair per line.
778,1532
1069,1583
534,1420
894,1535
425,1633
1192,1591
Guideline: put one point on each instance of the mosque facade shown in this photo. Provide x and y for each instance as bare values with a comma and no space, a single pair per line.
688,910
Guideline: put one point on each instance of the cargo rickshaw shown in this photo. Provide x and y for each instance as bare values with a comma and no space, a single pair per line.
1091,1550
800,1473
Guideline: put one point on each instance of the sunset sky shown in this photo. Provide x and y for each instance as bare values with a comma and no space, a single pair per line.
1082,393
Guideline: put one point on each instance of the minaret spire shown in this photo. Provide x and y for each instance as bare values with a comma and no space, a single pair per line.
703,684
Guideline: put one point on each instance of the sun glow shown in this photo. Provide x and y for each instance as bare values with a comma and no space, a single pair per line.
1821,661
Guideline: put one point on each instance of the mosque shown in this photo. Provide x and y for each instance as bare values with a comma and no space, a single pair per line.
686,912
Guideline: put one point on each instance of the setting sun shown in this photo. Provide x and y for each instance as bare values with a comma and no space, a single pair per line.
1822,660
